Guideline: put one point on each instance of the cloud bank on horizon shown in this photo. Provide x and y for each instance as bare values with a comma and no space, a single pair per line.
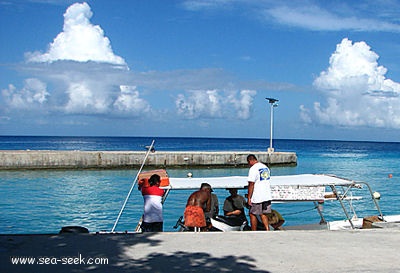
79,74
88,78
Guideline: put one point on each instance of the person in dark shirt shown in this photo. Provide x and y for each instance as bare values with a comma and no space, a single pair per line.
234,205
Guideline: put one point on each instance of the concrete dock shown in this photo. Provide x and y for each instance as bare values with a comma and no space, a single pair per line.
274,251
35,159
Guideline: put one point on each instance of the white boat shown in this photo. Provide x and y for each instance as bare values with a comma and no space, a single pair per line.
285,189
315,188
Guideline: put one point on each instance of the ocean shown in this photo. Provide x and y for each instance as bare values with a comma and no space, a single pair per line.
43,201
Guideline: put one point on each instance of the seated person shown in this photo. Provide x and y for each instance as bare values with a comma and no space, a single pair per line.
214,208
214,204
275,220
234,205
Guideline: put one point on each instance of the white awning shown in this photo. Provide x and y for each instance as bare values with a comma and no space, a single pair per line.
307,180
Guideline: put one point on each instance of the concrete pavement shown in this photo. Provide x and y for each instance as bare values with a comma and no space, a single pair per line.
373,250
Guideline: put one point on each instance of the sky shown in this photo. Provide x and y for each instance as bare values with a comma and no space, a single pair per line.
191,68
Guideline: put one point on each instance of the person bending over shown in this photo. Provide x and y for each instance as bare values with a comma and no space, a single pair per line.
275,220
198,203
152,215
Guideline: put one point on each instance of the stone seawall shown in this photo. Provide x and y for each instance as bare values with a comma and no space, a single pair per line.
31,159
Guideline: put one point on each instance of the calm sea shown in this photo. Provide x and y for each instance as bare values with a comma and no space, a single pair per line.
45,201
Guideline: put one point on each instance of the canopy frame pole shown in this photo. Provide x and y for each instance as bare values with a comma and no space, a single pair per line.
340,198
323,221
374,199
133,185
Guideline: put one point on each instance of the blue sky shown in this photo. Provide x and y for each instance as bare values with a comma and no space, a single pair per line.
201,68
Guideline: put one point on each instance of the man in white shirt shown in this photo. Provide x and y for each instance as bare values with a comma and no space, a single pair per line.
259,192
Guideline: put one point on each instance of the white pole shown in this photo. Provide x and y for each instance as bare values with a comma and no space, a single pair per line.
273,103
133,185
271,122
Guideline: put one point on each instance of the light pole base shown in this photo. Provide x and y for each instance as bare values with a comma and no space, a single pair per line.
270,150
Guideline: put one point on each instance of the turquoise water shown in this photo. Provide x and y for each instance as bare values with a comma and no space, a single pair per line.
44,201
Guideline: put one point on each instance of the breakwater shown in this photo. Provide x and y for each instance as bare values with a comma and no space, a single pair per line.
43,159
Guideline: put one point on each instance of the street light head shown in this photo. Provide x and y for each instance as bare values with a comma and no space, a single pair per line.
271,100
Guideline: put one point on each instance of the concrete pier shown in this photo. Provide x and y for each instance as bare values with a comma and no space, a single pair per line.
33,159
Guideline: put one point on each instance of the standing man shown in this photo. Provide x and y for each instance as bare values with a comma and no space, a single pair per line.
259,192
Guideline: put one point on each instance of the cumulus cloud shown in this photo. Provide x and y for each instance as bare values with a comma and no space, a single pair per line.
242,105
356,89
80,40
33,94
129,102
79,74
215,104
82,99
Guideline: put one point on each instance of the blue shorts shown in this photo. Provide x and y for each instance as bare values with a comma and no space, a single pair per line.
260,208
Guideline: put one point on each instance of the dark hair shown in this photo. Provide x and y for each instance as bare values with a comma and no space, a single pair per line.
154,179
251,157
206,186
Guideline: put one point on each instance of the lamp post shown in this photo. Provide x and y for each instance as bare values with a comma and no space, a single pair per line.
273,103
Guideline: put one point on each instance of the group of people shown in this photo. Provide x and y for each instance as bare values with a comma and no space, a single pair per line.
203,204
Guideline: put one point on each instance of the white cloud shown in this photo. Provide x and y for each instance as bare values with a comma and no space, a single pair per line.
83,74
195,5
215,104
33,94
243,104
356,90
185,79
199,104
79,75
82,99
305,114
129,102
312,15
80,40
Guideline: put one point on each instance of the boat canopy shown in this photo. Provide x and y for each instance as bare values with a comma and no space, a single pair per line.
223,182
306,180
302,187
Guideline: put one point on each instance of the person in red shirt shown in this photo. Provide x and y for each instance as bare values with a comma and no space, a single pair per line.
153,215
